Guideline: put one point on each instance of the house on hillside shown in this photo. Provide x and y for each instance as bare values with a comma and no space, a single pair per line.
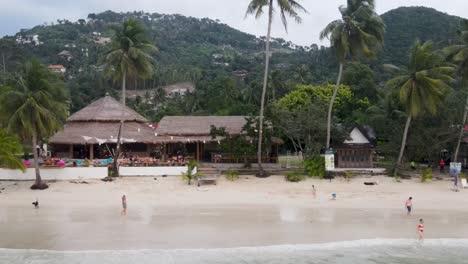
358,149
179,89
66,55
57,68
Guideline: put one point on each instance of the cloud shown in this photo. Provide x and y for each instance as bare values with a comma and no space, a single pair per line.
17,14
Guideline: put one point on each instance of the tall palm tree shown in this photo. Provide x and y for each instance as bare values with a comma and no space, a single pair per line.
287,8
459,55
128,57
359,33
9,146
422,85
35,108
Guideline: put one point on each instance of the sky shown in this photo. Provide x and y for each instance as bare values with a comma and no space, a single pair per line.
18,14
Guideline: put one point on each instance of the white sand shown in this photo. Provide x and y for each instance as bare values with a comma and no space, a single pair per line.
167,213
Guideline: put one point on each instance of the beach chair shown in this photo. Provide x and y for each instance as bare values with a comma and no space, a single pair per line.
464,183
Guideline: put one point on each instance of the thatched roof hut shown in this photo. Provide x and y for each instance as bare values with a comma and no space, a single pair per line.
98,123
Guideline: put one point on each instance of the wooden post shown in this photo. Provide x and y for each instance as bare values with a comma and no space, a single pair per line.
198,151
164,152
70,151
91,152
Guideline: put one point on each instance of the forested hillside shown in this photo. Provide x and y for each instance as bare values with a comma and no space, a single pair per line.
226,66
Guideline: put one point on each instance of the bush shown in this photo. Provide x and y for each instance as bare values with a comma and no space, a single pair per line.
295,177
426,175
315,166
231,174
348,175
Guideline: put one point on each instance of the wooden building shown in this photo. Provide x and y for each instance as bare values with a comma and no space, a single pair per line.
357,151
92,131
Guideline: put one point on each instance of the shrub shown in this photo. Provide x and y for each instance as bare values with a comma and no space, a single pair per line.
426,174
231,174
315,166
190,175
348,175
295,177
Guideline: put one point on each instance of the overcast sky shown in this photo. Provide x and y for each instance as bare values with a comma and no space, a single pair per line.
17,14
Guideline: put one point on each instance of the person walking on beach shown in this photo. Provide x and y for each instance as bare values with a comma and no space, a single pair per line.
409,205
442,165
124,204
314,191
421,229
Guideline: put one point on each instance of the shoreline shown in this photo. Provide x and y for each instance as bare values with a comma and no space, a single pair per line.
168,214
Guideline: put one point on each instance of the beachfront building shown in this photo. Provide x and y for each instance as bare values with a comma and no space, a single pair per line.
357,150
92,132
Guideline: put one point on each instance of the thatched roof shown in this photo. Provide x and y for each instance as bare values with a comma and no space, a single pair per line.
106,109
104,132
199,125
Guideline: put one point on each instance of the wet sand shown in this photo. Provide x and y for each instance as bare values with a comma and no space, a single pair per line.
169,214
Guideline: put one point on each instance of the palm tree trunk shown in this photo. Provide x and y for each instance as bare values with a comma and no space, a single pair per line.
38,184
330,108
403,145
462,129
119,136
261,172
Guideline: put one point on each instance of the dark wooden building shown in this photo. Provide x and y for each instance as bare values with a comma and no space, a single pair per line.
357,151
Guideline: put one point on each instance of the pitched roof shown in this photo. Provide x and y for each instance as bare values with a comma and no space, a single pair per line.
199,125
58,66
104,132
106,109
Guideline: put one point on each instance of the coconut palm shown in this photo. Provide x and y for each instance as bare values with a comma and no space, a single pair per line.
35,108
359,33
9,146
128,57
287,8
459,55
422,85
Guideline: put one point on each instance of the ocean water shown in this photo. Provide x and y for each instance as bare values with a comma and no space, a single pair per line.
375,251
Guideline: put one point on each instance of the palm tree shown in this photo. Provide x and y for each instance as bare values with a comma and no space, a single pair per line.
9,146
35,108
359,33
422,85
459,55
128,57
287,8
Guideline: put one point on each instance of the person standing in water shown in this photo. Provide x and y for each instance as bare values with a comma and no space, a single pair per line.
421,229
409,205
124,204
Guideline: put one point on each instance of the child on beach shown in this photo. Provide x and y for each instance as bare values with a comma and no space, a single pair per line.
421,229
333,197
314,191
409,205
124,204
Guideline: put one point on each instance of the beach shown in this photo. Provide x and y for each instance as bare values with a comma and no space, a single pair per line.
166,213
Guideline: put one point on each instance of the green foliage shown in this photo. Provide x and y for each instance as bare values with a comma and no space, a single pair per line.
231,174
426,174
348,175
315,166
9,147
190,174
295,177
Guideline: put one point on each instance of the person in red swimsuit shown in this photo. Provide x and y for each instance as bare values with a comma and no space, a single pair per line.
421,229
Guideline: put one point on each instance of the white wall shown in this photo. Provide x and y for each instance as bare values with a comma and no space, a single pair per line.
55,173
153,171
76,173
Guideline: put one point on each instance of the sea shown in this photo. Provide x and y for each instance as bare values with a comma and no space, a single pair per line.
373,251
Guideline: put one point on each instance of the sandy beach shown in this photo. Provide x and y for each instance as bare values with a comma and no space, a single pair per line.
167,213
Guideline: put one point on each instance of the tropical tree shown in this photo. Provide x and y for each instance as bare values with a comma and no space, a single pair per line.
459,55
287,8
422,85
9,146
128,57
359,33
35,107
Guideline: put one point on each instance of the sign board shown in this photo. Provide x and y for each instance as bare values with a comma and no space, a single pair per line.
329,161
455,167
